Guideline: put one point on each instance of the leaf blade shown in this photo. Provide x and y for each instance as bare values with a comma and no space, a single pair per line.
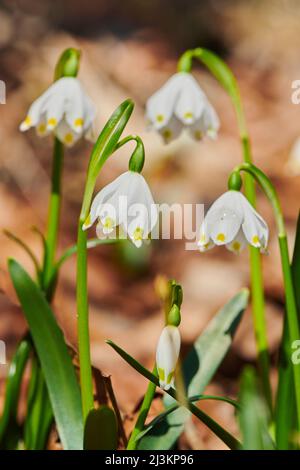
56,363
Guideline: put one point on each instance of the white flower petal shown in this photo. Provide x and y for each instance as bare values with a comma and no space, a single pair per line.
65,134
254,227
34,113
190,102
142,212
104,196
167,354
172,130
160,106
238,243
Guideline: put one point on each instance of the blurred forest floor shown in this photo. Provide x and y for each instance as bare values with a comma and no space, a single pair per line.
260,42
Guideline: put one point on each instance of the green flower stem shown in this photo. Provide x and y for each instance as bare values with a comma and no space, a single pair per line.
225,77
102,150
291,306
54,210
83,325
143,413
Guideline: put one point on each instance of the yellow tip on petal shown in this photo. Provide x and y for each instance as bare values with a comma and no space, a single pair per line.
26,123
138,234
255,240
161,374
188,115
68,138
202,238
52,122
41,128
160,118
27,120
236,246
198,135
78,122
167,134
221,237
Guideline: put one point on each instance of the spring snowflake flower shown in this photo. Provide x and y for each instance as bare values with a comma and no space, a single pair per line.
181,104
167,354
233,222
126,202
64,109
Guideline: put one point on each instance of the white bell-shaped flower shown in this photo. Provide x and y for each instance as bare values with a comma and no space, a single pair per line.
181,104
167,354
126,202
64,109
233,222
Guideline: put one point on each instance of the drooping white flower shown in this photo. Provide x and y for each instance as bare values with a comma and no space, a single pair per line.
233,222
181,104
293,163
167,354
64,109
126,202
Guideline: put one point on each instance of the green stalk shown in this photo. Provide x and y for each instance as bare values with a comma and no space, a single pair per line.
290,299
143,413
54,210
83,325
225,77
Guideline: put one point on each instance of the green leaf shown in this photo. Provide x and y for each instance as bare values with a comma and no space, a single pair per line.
72,250
224,435
9,428
285,408
53,354
199,367
175,407
39,415
101,429
27,250
254,415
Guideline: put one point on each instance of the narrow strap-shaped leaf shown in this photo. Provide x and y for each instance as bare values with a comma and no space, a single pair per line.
8,423
254,416
224,435
199,367
53,354
26,248
39,415
72,250
175,406
285,398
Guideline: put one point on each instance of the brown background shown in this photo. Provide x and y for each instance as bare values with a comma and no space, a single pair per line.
128,50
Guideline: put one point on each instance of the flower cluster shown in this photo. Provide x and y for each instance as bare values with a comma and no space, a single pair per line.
126,202
181,104
63,109
233,222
